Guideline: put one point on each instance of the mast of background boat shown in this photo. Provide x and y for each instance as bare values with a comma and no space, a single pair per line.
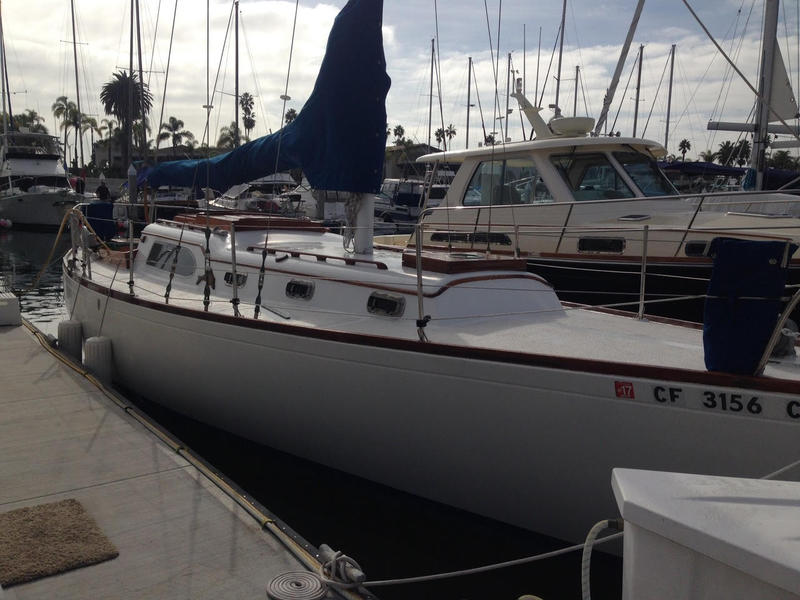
560,52
3,88
612,88
430,97
77,87
508,95
469,90
768,41
575,99
669,95
236,60
638,88
141,83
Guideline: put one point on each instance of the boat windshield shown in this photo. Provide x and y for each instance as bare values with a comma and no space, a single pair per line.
645,174
22,145
591,177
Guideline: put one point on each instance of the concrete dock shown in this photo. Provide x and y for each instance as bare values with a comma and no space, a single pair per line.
181,532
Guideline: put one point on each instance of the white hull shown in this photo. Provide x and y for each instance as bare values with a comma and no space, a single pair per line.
527,444
36,209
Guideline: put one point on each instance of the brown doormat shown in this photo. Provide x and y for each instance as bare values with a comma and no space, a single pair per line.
47,539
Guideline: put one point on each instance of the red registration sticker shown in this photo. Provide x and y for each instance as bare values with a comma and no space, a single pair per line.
624,389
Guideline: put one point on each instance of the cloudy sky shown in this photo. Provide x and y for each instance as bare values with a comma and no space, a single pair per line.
40,61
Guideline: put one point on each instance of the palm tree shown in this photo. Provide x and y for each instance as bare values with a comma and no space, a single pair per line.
173,130
440,136
248,116
32,120
726,152
228,137
742,152
781,159
109,125
684,146
291,115
450,132
89,124
62,109
114,97
708,156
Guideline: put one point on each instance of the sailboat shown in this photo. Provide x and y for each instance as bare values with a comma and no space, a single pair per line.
459,377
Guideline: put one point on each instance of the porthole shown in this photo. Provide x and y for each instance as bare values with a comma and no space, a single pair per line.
302,290
386,305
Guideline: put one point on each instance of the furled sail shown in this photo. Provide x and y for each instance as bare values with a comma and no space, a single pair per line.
339,136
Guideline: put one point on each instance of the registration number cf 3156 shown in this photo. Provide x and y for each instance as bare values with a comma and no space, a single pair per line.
712,400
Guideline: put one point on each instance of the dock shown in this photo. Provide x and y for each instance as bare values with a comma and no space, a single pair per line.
179,529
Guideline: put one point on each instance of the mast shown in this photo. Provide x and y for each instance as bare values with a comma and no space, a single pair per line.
469,90
538,58
560,50
508,92
3,74
524,50
768,41
430,97
669,95
575,100
236,90
129,124
612,88
638,87
141,82
77,87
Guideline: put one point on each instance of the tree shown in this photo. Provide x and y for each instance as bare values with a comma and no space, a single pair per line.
63,109
90,124
399,134
726,152
248,116
173,130
291,115
684,146
228,137
440,136
32,120
742,152
708,156
488,140
450,132
781,159
109,125
114,96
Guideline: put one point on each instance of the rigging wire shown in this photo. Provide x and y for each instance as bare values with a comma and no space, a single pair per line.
286,86
624,93
267,127
439,71
166,77
478,98
655,96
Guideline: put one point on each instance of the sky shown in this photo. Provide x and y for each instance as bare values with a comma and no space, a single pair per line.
38,36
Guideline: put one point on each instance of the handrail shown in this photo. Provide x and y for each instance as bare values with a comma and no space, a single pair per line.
777,332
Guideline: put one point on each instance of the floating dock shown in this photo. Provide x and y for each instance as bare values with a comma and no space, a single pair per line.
179,529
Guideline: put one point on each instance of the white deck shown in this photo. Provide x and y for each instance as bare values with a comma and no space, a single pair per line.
508,314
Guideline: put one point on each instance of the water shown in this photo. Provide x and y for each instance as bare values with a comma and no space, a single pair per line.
390,533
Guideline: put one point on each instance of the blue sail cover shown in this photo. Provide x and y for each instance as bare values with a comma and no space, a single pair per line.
744,302
339,136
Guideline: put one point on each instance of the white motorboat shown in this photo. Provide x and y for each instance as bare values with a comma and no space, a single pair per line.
34,190
458,376
588,211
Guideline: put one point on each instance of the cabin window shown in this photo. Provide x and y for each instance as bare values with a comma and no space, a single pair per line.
162,256
505,182
304,290
386,305
591,177
645,174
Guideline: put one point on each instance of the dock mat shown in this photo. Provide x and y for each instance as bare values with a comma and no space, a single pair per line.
39,541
